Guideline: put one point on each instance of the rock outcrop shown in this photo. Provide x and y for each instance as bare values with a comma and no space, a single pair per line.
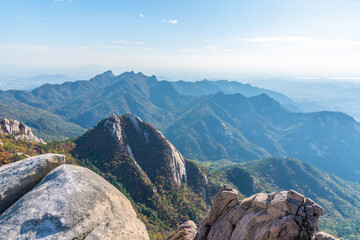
19,129
150,136
186,231
18,178
120,228
285,215
324,236
70,202
140,145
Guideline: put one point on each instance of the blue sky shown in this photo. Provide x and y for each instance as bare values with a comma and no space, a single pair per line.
215,38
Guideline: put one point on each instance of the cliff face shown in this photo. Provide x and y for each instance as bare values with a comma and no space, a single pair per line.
142,163
19,129
131,141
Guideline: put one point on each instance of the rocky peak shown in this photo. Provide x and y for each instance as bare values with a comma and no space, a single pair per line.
113,124
19,129
151,138
285,215
106,75
129,138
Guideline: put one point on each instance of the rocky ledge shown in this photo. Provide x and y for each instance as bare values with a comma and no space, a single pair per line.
19,129
285,215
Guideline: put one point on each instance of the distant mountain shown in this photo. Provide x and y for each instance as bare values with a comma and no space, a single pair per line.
207,87
203,127
240,129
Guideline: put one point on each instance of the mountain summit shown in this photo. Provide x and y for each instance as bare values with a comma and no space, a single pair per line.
142,163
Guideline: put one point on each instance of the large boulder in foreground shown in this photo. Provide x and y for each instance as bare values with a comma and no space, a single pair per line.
121,228
69,203
17,178
285,215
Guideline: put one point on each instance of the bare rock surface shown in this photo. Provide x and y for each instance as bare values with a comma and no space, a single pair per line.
17,178
149,138
285,215
324,236
121,228
186,231
69,203
19,129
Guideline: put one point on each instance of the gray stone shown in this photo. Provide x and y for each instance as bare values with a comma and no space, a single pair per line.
261,217
19,129
20,177
324,236
292,194
124,227
69,203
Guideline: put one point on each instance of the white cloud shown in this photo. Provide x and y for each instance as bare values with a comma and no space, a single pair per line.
218,47
191,50
127,43
170,21
120,45
141,15
121,42
277,39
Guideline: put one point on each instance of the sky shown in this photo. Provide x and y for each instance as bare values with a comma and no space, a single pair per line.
211,38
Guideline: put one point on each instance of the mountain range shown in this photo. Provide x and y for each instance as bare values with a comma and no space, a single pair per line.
203,127
131,154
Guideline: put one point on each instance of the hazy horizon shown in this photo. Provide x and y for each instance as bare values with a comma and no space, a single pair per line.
207,39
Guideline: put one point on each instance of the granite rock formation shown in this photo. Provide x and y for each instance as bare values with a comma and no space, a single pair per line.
19,129
17,178
324,236
285,215
70,202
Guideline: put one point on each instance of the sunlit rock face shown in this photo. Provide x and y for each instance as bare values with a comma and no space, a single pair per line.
19,129
70,202
285,215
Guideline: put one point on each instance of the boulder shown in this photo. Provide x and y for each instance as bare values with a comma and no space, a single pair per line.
124,227
17,178
69,203
324,236
186,231
222,202
285,215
